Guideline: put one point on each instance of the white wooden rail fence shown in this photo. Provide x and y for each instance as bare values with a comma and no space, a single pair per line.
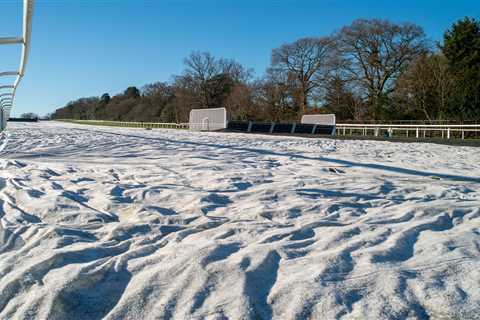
131,124
417,131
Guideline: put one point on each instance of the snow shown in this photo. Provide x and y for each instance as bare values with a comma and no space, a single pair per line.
115,223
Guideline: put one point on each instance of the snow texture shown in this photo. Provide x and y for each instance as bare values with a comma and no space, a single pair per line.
115,223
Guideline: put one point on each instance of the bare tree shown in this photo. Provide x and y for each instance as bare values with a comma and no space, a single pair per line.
211,78
375,52
425,87
277,96
339,99
308,61
201,66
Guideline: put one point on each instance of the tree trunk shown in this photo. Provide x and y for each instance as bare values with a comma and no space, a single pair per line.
304,102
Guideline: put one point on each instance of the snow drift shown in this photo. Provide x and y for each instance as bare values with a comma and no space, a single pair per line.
113,223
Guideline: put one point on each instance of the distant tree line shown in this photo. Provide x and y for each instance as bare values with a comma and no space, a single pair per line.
29,115
369,70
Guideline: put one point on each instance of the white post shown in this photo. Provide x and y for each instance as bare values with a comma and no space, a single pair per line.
293,128
417,133
448,133
272,126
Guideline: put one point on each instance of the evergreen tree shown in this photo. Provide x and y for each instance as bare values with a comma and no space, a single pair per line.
462,49
105,98
132,92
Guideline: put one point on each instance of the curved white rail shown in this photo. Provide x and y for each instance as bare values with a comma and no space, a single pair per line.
8,97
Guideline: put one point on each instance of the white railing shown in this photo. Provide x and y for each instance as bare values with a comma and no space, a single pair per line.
131,124
8,97
408,130
149,125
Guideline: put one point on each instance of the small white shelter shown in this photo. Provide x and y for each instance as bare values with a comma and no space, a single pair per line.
322,119
208,119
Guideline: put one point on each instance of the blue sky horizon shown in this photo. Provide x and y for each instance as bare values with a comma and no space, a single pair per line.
85,48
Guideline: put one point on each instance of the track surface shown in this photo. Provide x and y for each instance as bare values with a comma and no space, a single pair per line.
118,223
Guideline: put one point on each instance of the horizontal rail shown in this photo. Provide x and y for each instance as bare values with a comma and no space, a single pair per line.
8,73
131,124
11,40
354,125
134,124
420,130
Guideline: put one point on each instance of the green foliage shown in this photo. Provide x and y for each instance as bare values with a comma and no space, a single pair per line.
132,92
105,98
462,49
462,45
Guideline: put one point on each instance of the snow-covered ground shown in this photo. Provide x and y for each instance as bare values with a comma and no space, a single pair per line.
114,223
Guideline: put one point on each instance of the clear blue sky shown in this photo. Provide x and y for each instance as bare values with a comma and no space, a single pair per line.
88,47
